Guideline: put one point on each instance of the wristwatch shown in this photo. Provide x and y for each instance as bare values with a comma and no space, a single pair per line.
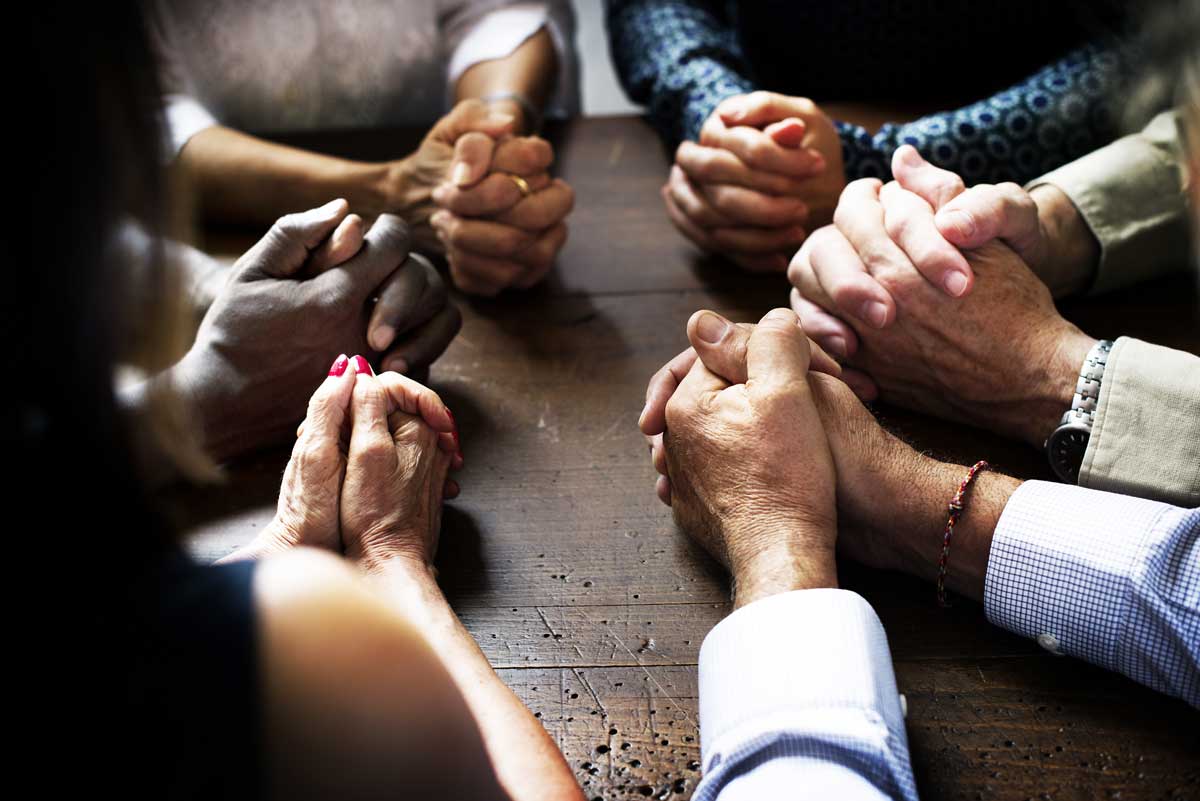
1068,442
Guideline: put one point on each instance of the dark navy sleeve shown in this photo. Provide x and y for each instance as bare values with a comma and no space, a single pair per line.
679,58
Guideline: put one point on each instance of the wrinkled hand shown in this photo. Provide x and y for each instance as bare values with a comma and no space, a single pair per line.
308,508
403,441
458,193
414,179
1000,357
494,236
767,168
300,295
751,475
890,498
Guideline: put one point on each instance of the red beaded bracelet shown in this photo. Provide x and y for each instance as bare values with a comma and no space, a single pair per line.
957,504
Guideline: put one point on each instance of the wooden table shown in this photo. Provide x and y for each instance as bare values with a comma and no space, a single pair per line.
590,603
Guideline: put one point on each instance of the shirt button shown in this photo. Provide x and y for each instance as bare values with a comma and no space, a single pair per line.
1050,643
903,705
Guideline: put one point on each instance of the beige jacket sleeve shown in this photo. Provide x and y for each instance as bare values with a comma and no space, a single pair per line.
1132,196
1146,436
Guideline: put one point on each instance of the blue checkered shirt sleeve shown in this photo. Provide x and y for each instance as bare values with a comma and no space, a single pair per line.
798,700
679,58
1108,578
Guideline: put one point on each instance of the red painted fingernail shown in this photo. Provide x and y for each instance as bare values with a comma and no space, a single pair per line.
339,365
454,433
362,366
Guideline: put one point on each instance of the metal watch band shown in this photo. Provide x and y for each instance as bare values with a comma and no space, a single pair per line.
1087,389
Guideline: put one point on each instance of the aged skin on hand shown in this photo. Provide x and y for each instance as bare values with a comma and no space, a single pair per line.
996,353
891,500
760,506
270,335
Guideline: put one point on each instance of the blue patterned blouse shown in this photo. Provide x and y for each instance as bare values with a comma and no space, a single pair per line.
1049,97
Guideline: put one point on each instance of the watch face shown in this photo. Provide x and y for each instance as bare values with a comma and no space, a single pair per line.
1065,448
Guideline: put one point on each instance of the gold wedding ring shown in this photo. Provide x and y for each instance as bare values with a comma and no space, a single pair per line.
521,183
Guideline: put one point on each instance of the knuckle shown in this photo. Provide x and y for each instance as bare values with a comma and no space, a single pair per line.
678,412
335,296
758,151
312,454
378,451
390,234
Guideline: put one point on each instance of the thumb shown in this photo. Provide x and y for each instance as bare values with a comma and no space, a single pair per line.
787,133
937,186
329,405
777,354
720,344
758,109
985,212
472,158
472,115
286,247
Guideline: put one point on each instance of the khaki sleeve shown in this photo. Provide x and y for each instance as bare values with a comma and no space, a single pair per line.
1146,436
1131,195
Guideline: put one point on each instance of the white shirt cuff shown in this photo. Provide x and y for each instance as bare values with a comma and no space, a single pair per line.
186,117
816,660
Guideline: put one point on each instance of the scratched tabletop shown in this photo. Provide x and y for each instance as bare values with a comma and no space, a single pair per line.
592,606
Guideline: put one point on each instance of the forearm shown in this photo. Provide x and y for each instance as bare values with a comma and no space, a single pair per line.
1072,252
683,79
525,758
917,510
528,71
239,178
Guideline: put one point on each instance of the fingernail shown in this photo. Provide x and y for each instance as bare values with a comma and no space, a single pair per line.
711,328
960,221
362,366
397,365
642,416
439,194
331,208
454,433
438,217
837,345
875,313
382,336
955,283
461,174
339,365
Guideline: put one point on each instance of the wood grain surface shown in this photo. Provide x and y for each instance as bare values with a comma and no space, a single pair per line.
578,587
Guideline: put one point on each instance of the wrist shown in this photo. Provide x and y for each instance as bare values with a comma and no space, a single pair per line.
919,531
207,392
1053,389
408,192
805,562
1071,253
393,561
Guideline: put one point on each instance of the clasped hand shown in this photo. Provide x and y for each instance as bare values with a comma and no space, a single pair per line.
493,232
315,285
368,472
767,168
926,287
